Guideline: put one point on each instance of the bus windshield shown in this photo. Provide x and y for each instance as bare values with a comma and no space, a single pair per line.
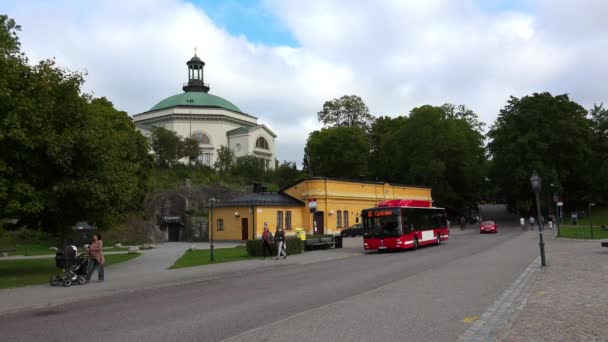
380,223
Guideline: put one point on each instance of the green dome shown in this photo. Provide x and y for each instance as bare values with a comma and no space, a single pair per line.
196,99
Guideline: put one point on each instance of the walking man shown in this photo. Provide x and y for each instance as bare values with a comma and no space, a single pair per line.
281,244
266,242
532,222
462,222
522,223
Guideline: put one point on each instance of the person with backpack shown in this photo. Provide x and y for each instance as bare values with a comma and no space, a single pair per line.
267,241
281,244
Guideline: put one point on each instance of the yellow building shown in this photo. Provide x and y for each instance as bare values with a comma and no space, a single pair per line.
338,206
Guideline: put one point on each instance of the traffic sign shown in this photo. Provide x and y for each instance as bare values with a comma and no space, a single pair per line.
555,198
560,204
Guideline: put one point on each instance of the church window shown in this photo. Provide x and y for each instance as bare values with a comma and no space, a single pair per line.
238,147
202,138
261,143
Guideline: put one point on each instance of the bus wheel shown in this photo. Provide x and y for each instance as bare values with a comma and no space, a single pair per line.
415,247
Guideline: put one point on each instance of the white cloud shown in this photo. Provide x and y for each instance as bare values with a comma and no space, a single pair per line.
394,54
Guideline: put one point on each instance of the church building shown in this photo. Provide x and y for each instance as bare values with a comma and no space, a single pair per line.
210,120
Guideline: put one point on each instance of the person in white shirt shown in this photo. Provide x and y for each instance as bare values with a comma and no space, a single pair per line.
522,223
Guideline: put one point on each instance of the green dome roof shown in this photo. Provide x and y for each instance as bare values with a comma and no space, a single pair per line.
196,99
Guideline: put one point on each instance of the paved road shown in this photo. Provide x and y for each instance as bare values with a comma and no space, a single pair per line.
416,296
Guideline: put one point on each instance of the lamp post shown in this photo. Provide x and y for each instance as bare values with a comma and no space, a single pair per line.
535,182
591,204
211,251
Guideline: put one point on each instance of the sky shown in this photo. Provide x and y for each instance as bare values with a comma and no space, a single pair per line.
281,60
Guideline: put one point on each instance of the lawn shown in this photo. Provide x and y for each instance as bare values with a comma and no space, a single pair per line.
201,257
16,273
582,232
599,217
28,249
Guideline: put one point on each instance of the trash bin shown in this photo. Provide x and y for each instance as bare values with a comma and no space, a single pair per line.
338,241
301,234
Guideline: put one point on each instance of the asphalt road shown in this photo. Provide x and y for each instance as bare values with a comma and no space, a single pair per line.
424,295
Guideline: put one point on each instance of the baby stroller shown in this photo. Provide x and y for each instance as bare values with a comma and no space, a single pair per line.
74,267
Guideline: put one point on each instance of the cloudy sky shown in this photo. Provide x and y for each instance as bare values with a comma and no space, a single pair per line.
280,60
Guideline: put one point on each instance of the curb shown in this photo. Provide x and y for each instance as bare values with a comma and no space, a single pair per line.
505,309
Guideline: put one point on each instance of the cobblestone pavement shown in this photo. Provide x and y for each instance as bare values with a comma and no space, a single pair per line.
566,301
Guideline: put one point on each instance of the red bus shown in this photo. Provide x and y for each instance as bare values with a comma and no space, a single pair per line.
403,224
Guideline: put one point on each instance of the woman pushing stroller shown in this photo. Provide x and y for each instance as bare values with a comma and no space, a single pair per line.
96,258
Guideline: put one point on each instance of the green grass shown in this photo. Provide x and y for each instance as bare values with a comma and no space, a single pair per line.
598,215
200,258
582,232
16,273
29,249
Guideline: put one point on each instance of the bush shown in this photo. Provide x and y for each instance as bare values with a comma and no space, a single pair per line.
294,246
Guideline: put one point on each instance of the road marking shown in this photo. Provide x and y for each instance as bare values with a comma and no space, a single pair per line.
470,319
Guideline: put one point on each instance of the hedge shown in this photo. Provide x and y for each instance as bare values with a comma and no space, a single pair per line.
294,246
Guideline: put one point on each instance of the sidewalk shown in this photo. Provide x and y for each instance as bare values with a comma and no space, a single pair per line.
569,300
565,301
150,271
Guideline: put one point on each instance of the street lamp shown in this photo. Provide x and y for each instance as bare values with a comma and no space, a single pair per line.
591,204
211,251
535,182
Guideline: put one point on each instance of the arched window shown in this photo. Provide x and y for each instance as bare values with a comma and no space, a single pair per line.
339,219
201,137
345,221
261,143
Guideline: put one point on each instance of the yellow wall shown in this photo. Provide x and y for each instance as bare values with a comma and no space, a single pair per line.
331,195
268,214
334,195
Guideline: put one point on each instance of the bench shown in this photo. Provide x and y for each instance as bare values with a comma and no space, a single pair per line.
324,243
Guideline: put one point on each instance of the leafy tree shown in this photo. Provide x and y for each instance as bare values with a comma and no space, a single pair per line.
286,174
546,133
380,161
167,146
225,159
338,152
64,157
433,149
249,169
599,162
346,111
461,112
190,149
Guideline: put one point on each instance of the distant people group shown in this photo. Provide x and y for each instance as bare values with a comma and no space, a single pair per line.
532,222
268,240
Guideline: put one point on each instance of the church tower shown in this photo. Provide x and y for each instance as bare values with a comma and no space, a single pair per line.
195,75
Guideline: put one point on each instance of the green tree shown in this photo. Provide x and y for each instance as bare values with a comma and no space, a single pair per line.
167,146
346,111
249,169
379,161
546,133
338,152
286,174
225,159
599,161
190,149
64,157
434,149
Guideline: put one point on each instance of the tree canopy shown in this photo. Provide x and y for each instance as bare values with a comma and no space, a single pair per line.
346,111
64,156
546,133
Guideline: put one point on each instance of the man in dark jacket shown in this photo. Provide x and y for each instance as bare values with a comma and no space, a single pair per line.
281,243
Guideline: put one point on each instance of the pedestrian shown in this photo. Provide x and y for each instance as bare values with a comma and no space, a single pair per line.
532,222
281,243
522,223
550,223
96,258
462,222
267,241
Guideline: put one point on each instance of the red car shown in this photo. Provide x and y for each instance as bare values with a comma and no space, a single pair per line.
488,227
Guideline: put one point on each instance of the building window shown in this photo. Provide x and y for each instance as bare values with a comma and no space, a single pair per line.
339,219
279,219
288,220
206,158
202,138
237,147
261,143
220,224
345,218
